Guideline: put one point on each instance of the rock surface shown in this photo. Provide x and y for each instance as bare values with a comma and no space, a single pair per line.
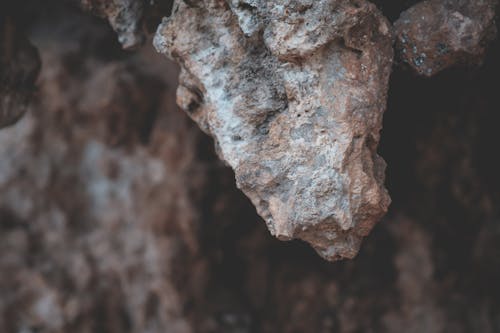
293,94
437,34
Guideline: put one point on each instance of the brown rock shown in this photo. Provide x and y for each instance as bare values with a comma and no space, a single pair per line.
437,34
293,94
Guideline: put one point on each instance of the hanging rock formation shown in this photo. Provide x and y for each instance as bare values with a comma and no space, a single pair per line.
293,94
437,34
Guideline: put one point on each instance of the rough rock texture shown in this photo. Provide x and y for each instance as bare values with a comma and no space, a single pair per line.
19,66
437,34
293,94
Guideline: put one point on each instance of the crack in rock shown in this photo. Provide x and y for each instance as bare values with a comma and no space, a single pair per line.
293,93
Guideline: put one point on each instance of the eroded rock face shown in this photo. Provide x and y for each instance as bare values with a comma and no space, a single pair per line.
19,67
437,34
293,94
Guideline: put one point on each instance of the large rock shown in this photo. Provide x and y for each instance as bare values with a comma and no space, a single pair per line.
293,94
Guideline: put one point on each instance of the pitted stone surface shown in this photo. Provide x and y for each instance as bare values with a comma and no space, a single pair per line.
293,94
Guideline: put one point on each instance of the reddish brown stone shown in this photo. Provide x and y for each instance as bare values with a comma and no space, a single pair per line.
437,34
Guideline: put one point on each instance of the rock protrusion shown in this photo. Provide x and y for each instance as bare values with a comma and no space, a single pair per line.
293,94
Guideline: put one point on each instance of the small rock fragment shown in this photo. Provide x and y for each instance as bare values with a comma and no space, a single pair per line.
19,67
437,34
293,93
124,16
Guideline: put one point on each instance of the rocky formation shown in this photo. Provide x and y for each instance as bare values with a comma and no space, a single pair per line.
132,20
293,94
437,34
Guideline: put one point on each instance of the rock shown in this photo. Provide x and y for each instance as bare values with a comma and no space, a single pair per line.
116,216
19,67
100,189
438,34
293,94
124,16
